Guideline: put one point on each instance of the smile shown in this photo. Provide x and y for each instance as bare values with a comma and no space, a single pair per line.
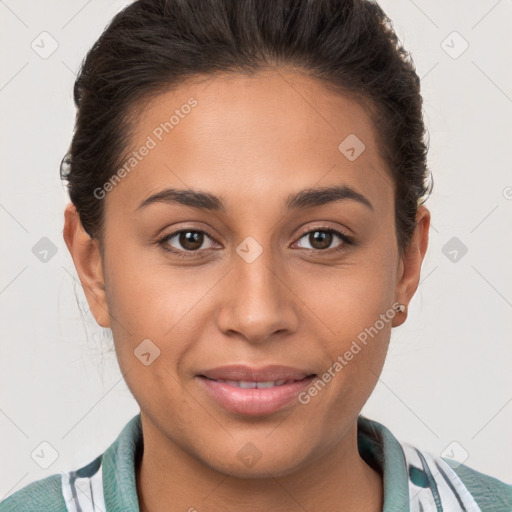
254,391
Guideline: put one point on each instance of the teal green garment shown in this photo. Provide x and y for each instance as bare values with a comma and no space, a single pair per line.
377,446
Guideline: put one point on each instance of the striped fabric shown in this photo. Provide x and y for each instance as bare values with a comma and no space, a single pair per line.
433,485
83,489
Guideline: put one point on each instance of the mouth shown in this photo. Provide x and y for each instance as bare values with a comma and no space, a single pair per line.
254,391
247,384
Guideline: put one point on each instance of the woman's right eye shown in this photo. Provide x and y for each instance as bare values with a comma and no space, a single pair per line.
191,241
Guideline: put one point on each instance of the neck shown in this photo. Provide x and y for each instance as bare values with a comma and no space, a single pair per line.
169,479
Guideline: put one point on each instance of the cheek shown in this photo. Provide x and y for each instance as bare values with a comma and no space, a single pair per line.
351,297
150,331
150,300
148,296
354,360
354,306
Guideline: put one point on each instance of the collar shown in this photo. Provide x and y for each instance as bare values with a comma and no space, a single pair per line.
376,444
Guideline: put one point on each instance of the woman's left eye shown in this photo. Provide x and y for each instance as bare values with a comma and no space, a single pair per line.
320,239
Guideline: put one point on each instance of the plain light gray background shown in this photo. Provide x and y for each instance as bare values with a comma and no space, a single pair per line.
448,374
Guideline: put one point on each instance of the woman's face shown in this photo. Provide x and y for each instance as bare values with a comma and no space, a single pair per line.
259,277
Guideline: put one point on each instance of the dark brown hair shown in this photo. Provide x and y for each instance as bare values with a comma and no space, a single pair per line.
155,45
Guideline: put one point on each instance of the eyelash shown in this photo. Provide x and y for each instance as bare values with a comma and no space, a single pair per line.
347,240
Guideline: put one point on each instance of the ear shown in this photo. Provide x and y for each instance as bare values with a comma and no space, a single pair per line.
410,263
87,259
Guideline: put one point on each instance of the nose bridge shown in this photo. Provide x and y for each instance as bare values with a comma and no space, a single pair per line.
257,302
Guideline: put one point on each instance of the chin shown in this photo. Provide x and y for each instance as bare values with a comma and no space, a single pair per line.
251,463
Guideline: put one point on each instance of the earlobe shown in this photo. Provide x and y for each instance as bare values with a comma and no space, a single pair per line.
87,259
410,264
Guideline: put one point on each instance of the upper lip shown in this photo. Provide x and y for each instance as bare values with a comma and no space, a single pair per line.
240,372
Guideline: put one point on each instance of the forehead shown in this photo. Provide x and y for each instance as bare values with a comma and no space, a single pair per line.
238,135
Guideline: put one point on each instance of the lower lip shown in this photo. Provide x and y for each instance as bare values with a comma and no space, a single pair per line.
254,401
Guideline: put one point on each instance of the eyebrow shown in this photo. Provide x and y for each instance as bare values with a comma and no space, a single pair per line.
307,198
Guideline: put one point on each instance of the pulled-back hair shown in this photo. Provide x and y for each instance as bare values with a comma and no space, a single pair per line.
152,46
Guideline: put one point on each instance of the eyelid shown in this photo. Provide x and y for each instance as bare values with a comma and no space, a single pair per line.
323,227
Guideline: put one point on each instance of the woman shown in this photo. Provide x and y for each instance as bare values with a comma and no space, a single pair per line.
247,183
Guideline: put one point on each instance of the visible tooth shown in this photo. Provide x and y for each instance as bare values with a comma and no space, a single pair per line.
268,384
245,384
232,383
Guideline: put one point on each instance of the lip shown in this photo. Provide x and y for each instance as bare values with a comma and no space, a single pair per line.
263,374
254,401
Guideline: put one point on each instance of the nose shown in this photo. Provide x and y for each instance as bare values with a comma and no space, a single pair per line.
257,302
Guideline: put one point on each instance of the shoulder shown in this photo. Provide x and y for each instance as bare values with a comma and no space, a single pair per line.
44,494
417,479
84,490
53,493
435,478
489,492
